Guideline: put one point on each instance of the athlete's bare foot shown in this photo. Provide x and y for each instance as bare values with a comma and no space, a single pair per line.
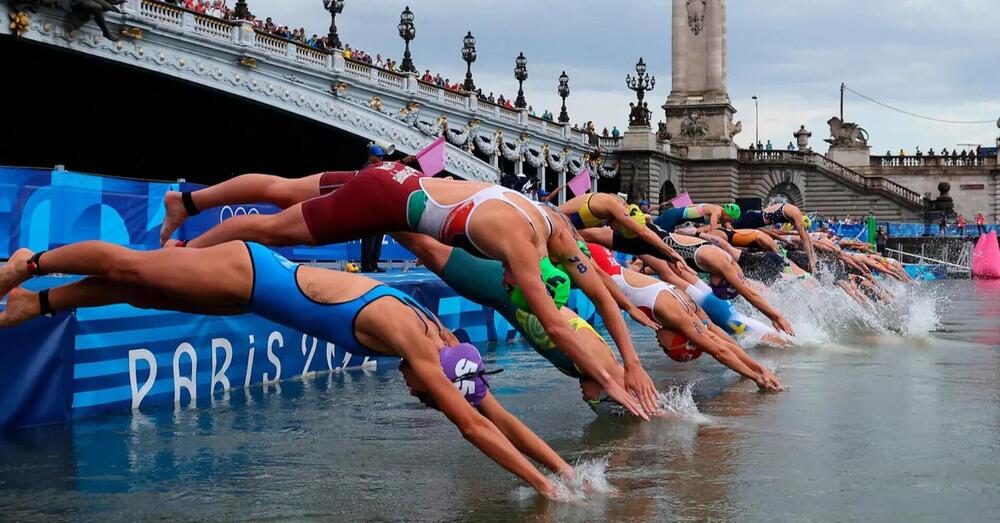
15,271
21,306
175,215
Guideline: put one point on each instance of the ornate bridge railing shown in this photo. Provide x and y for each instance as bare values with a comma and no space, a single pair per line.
358,97
875,184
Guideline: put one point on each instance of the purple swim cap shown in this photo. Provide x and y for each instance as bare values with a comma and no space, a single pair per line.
463,365
724,291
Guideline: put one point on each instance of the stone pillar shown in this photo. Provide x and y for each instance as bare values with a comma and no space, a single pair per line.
714,35
678,62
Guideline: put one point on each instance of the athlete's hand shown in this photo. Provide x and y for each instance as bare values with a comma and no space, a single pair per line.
639,383
171,243
641,317
408,160
619,394
782,325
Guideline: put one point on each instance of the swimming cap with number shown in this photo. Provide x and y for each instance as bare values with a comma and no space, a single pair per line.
463,366
556,282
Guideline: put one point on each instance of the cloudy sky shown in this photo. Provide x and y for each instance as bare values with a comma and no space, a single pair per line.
940,59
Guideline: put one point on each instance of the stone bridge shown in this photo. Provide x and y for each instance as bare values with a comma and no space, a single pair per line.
362,100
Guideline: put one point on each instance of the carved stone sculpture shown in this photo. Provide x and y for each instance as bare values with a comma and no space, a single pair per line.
696,16
846,134
734,129
693,127
81,11
661,132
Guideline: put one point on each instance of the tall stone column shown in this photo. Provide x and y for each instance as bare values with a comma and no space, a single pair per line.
714,34
699,114
678,64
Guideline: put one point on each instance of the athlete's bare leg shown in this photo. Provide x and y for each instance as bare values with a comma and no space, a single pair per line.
23,305
219,276
284,229
246,188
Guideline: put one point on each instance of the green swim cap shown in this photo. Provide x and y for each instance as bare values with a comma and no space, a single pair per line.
733,210
583,247
556,283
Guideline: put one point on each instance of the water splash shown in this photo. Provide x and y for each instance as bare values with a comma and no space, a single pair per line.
589,478
822,314
677,402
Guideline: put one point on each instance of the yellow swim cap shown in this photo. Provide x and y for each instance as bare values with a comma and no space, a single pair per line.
352,267
806,222
637,216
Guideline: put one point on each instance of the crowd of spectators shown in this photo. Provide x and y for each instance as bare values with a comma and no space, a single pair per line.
221,9
978,152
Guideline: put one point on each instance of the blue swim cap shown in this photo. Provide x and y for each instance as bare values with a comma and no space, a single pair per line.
376,150
643,202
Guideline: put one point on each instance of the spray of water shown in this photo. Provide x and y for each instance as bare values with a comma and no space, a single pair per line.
677,402
589,478
824,313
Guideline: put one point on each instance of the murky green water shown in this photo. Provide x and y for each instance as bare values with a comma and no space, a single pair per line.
874,427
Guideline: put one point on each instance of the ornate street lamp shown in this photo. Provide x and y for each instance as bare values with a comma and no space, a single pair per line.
641,83
521,74
407,32
335,7
241,11
469,55
563,93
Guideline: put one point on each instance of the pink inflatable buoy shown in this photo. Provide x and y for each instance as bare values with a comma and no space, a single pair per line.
986,258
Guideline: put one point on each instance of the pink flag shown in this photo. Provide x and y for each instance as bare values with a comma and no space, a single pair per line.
681,200
433,158
580,184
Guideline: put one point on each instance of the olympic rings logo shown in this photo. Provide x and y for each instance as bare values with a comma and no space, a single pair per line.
235,211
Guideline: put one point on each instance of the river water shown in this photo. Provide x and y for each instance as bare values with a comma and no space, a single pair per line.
895,417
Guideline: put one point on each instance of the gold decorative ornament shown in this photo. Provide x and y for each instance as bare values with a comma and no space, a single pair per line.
19,23
376,103
339,88
443,122
132,32
247,61
409,109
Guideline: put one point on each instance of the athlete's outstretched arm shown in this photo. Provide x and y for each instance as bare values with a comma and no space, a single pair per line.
731,273
583,274
522,437
523,263
691,328
422,356
621,217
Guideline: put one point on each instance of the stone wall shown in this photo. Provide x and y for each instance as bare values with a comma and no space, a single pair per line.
968,201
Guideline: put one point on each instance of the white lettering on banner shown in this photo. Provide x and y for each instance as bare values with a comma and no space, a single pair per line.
312,352
139,393
183,382
275,337
246,382
219,375
330,348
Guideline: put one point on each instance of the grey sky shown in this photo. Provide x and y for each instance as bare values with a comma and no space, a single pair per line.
925,56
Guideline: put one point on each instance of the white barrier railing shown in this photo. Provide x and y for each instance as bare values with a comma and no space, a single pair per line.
213,28
162,13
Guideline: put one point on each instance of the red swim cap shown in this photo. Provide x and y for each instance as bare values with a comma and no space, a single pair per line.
681,349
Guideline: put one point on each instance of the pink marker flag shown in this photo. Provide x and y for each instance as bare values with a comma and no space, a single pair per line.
681,200
433,158
580,184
